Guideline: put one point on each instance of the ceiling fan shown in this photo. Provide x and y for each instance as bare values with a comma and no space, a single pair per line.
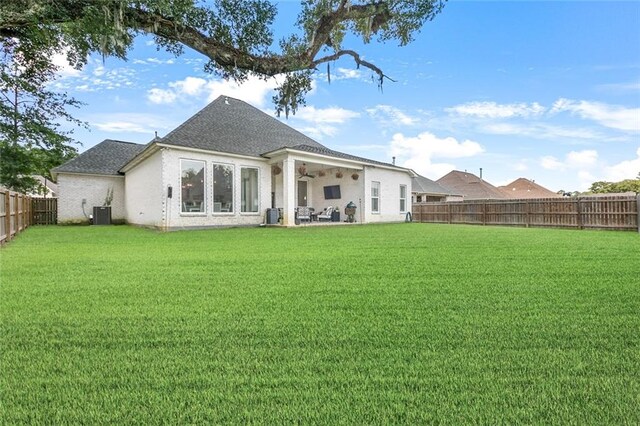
303,171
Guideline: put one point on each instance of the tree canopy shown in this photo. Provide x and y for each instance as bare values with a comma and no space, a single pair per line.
236,36
627,185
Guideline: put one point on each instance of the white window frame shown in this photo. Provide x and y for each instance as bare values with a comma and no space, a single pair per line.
375,185
204,189
248,213
403,200
233,189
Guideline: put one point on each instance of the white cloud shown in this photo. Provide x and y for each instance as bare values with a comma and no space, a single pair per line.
191,85
627,169
633,86
161,96
419,152
573,160
326,115
322,120
254,90
347,73
495,110
584,158
612,116
550,162
121,127
63,67
391,115
541,131
130,123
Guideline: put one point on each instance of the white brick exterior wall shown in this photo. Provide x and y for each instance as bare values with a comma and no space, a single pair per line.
174,218
73,188
145,192
390,182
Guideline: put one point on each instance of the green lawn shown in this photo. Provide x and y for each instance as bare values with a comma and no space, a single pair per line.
407,323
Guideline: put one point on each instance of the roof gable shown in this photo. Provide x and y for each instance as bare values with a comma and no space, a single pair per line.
233,126
106,158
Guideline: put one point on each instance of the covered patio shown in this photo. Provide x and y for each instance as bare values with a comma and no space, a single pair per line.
308,187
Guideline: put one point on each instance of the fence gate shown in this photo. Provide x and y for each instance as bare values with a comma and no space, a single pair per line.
44,211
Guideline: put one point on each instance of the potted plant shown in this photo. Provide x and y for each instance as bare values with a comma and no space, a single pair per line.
355,176
339,174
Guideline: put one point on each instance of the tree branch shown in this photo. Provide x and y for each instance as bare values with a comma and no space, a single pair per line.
359,61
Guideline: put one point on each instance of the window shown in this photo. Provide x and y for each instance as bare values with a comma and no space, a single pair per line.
403,198
375,197
192,183
249,190
222,188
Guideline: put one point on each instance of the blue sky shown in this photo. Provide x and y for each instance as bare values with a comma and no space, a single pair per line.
547,90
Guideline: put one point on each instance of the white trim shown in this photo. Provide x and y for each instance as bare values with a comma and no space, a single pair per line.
89,174
401,199
377,197
355,164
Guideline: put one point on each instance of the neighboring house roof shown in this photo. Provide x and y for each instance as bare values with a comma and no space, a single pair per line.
423,185
106,158
233,126
525,188
470,186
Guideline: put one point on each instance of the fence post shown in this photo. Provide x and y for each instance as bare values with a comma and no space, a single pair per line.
579,209
526,213
638,211
7,218
449,213
484,212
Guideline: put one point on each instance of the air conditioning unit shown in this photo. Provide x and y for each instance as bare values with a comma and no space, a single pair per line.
272,216
102,215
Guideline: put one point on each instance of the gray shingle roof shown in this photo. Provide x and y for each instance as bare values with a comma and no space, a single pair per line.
423,185
233,126
106,158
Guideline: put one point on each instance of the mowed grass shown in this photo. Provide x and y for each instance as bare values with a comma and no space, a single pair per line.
406,323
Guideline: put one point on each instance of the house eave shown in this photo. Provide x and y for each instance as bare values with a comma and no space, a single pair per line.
56,174
329,159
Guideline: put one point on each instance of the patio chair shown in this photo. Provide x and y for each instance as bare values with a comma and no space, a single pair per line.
326,214
304,214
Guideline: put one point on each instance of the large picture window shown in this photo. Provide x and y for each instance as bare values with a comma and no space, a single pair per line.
375,197
222,188
403,198
192,182
249,190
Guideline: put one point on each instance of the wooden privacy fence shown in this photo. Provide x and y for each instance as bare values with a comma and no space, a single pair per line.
608,212
44,211
15,214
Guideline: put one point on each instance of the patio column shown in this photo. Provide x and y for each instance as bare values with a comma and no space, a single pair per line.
288,191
